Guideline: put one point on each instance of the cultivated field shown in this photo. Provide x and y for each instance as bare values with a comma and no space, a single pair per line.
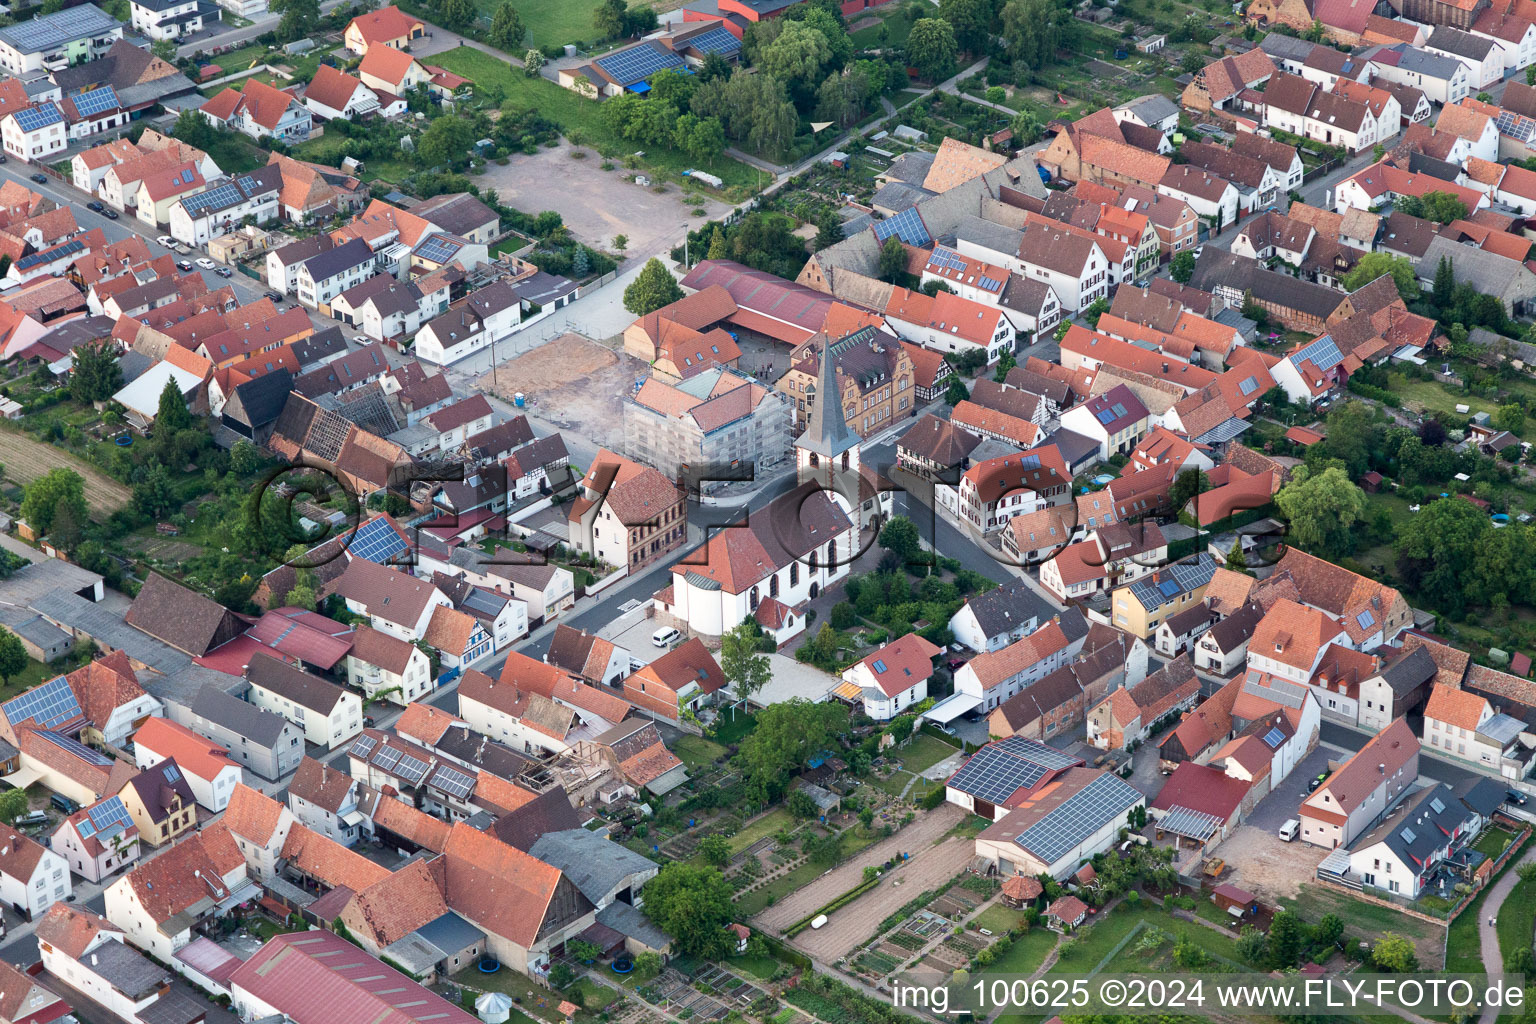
25,460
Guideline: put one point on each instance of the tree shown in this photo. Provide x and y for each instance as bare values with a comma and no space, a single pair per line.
651,289
13,656
648,964
561,977
1374,264
693,905
154,496
96,375
245,459
893,260
59,487
742,662
193,129
1436,546
931,49
66,531
608,19
300,17
621,242
1322,509
533,60
507,28
304,592
456,14
1185,486
1510,417
1440,207
1445,284
1328,931
1025,127
801,805
1192,63
971,21
173,414
702,138
787,735
899,536
957,392
164,49
1182,267
717,249
1394,953
1237,561
13,804
800,54
716,849
1286,934
1031,31
447,141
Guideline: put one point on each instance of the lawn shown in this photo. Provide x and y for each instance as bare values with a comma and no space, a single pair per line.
697,752
1026,954
759,967
1369,920
755,902
733,726
536,1002
923,752
1517,918
897,26
1492,842
1433,396
576,113
551,24
761,828
997,919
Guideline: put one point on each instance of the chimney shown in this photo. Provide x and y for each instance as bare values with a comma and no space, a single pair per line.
1381,769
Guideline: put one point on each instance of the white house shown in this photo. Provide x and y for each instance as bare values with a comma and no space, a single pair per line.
171,19
326,275
33,134
395,602
1212,197
1483,56
488,315
1073,265
1001,616
207,767
1117,420
1465,725
87,953
388,667
260,111
159,913
1440,78
892,678
1403,853
225,206
333,94
329,715
947,322
989,679
32,877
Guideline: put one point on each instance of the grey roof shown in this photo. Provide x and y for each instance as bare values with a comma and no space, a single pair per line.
1420,825
264,728
1409,671
631,923
1152,108
1004,608
461,744
998,237
175,1006
911,167
48,31
126,970
1482,794
896,196
1462,44
1234,319
1074,447
318,346
415,954
1423,163
1430,65
457,213
259,402
1234,630
30,626
450,933
1488,272
1281,47
1501,729
1073,624
827,433
338,260
300,687
596,864
542,288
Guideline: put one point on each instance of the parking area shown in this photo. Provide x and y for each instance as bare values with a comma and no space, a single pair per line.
1274,810
633,631
610,203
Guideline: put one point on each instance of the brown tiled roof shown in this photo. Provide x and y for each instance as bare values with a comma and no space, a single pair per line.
300,687
70,929
373,647
958,162
189,872
388,593
1460,708
449,630
1360,776
407,822
327,861
320,784
485,876
424,723
105,685
252,815
393,907
939,440
183,618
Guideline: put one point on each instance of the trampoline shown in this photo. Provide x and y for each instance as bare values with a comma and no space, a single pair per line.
489,965
623,965
123,440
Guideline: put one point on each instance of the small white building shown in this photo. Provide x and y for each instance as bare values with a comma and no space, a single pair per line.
172,19
488,315
225,206
388,667
32,877
34,134
891,679
98,840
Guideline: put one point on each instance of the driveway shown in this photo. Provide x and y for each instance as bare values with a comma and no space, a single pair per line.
610,204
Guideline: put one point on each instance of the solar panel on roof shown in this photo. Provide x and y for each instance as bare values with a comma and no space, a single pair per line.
49,255
998,770
639,63
412,769
1119,410
452,781
1103,800
716,40
907,226
1322,353
376,541
1436,805
36,118
437,249
1189,823
1248,386
946,259
1105,417
1168,587
363,746
50,704
77,748
880,665
1274,738
1366,619
988,283
97,101
105,819
1408,834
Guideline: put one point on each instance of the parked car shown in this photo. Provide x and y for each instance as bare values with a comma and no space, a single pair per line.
224,272
184,264
2,158
205,263
665,637
64,803
41,179
1290,830
359,339
273,296
32,819
1514,796
166,240
109,213
95,204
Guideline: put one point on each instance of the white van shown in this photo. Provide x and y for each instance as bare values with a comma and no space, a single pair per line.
1290,830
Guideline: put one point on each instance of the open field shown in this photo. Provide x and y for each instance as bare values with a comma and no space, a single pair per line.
572,382
1370,921
575,113
551,24
26,459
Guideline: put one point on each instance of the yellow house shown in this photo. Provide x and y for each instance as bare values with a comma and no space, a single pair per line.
392,71
161,804
387,26
1149,602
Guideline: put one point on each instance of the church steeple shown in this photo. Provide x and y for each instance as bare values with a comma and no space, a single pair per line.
827,433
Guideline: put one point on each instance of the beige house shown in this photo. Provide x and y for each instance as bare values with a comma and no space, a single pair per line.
1360,792
627,515
1144,605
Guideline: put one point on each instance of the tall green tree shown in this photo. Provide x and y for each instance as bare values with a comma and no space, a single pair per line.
744,665
1182,267
447,141
59,487
13,656
972,22
67,531
892,262
1185,486
1031,31
900,537
456,14
1286,936
1440,207
608,19
1437,545
1374,264
13,804
786,736
931,49
651,289
299,18
1322,509
1444,288
172,414
96,375
507,28
693,905
799,54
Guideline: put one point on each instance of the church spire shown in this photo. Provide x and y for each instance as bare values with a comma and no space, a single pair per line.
827,432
